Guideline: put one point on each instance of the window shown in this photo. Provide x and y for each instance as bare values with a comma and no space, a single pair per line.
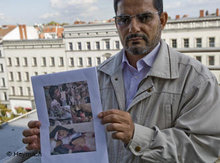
70,46
98,60
52,61
199,42
35,73
97,45
9,62
79,46
199,58
174,43
18,76
44,61
11,76
186,43
28,91
61,61
107,44
71,62
5,96
88,46
211,60
12,90
25,62
17,61
26,76
117,44
3,82
211,42
80,62
34,61
21,91
0,53
89,61
1,68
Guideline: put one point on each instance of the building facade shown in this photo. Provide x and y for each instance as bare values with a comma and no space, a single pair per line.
195,37
87,45
26,58
4,99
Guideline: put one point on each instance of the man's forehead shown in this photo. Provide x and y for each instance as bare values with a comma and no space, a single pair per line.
134,6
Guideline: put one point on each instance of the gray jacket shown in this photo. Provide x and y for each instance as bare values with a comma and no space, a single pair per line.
176,110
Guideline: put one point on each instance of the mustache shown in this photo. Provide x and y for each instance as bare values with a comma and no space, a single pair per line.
144,37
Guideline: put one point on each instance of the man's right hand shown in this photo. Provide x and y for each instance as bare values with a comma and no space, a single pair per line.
32,135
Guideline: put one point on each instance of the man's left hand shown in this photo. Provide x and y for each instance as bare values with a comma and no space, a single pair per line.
120,122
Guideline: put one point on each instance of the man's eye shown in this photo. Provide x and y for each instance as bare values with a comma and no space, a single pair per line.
145,18
123,20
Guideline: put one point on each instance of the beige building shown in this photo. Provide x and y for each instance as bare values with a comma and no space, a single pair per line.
26,58
86,45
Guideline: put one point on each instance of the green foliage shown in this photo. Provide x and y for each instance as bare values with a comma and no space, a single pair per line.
3,114
20,110
53,23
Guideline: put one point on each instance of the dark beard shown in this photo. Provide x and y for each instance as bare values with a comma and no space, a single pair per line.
145,49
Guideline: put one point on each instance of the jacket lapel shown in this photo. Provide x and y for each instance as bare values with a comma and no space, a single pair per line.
113,68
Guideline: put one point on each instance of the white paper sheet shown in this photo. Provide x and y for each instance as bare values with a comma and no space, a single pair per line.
67,105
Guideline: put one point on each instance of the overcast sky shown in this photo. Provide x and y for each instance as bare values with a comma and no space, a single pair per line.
43,11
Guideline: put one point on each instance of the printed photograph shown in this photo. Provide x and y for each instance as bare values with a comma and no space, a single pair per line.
70,116
68,103
72,138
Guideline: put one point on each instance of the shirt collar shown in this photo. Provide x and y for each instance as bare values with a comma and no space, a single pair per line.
147,60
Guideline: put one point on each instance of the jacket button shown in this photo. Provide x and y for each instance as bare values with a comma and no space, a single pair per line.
149,90
137,149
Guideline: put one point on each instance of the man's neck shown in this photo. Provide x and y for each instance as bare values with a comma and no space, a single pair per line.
133,59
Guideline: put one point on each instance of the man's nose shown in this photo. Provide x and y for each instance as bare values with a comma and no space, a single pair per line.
134,26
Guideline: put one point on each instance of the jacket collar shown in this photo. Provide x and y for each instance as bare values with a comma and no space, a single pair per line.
165,65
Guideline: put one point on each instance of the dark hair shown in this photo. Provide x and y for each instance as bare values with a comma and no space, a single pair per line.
57,128
158,4
52,90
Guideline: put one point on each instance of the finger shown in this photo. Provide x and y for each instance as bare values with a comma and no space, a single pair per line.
117,118
30,132
30,139
112,118
121,136
108,112
33,146
116,127
118,135
33,124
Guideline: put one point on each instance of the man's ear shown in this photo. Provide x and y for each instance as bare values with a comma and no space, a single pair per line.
163,19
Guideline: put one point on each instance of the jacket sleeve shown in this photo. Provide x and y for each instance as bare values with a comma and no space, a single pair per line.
195,136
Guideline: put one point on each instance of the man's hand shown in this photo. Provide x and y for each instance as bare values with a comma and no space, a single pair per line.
32,136
120,122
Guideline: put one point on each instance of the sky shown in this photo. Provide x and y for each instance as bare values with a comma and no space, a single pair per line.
32,12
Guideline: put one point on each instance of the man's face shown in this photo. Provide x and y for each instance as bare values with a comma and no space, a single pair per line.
139,38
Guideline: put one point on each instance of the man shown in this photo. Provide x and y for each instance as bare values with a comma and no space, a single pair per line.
159,105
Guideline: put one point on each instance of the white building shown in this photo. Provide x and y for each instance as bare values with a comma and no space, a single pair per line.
86,45
3,78
90,44
22,32
26,58
196,37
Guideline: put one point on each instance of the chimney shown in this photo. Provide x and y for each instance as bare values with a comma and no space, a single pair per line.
201,13
177,17
185,16
23,32
217,12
